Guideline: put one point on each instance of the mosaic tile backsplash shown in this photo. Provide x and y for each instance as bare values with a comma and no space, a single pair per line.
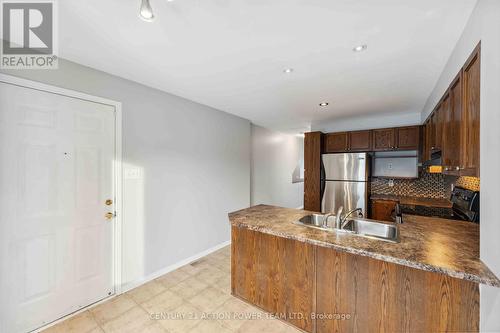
426,186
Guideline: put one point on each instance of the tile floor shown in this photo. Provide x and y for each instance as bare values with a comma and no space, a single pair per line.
193,298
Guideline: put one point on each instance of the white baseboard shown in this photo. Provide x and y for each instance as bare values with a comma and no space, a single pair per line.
173,267
301,207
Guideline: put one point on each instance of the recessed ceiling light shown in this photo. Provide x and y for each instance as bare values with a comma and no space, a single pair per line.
146,12
360,48
288,70
323,104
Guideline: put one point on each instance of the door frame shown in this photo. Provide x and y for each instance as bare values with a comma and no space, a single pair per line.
117,170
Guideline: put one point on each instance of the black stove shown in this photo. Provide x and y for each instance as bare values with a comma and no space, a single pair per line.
465,207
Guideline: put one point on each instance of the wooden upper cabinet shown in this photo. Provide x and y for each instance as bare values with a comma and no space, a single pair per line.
408,138
384,139
336,142
428,139
471,102
453,126
360,141
451,153
443,121
437,126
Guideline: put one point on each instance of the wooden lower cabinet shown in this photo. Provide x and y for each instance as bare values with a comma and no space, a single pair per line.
382,210
275,274
320,290
384,297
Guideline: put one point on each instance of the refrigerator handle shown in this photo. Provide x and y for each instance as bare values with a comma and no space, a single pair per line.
322,180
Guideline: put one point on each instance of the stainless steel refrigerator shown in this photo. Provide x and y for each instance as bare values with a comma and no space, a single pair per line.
344,182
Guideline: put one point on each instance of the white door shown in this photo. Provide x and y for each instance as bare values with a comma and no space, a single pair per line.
56,173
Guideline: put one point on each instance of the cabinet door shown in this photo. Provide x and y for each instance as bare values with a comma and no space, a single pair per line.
382,210
312,167
429,132
452,131
360,141
336,142
437,124
384,139
408,138
445,116
470,125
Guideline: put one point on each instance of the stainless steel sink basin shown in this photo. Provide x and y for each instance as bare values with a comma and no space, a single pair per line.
358,226
373,229
314,220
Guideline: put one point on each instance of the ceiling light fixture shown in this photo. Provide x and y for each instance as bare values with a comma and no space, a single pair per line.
288,70
146,12
360,48
323,104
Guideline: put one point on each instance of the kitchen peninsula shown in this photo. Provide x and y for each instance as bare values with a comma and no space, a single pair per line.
326,281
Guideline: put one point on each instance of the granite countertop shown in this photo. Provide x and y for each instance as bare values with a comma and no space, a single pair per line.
414,201
431,244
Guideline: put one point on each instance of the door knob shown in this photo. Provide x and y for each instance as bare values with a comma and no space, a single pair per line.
109,202
109,215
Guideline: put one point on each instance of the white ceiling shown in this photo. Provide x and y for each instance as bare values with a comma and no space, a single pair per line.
230,54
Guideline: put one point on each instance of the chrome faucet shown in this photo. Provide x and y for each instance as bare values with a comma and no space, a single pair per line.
341,220
338,217
325,219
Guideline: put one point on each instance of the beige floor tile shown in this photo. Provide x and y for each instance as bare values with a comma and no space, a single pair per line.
202,264
171,279
224,284
112,308
197,291
180,319
237,313
81,323
226,251
223,265
155,328
96,330
146,291
209,299
134,320
210,275
189,287
210,326
266,325
165,301
192,268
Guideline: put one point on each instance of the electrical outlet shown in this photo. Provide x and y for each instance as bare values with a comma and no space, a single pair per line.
389,166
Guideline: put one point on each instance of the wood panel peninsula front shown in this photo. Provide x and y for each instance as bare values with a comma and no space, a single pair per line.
321,281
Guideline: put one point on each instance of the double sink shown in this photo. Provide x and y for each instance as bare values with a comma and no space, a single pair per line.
356,226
